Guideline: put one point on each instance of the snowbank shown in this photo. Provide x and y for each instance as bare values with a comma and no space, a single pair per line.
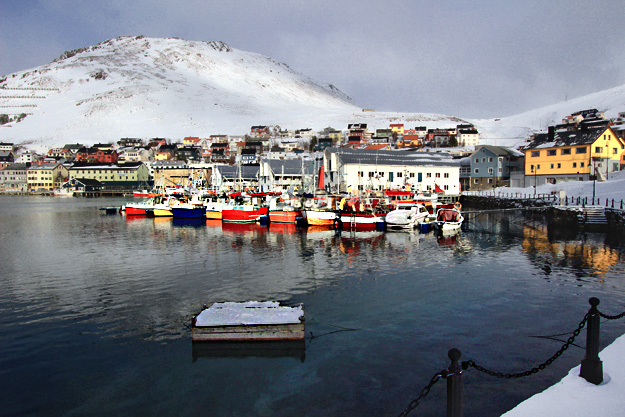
574,397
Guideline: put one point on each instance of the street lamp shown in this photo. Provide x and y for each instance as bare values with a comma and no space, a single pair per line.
535,179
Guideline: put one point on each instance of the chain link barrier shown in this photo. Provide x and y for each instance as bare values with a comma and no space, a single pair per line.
424,392
569,342
608,317
471,364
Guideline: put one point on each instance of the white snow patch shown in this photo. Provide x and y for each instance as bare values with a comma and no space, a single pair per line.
249,313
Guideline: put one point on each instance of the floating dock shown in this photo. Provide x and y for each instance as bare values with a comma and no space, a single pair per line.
248,321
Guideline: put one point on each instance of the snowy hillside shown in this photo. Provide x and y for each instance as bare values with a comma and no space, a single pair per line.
512,131
151,87
172,88
145,87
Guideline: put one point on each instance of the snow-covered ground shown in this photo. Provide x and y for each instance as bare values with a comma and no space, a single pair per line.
613,188
574,397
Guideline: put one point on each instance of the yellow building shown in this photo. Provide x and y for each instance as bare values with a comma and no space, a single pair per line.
573,155
47,176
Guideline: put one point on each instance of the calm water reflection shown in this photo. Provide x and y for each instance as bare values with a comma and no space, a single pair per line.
94,310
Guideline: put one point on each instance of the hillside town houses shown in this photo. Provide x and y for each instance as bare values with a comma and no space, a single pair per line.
356,159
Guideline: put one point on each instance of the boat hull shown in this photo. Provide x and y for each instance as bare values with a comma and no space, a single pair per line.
282,216
188,213
162,212
243,214
319,217
136,211
360,221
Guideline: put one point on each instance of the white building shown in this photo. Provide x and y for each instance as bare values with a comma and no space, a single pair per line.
468,137
359,170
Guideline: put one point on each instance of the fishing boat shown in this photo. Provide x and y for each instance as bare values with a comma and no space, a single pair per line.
359,214
143,208
63,192
320,216
249,321
244,213
247,208
282,213
163,206
406,216
145,193
189,209
448,220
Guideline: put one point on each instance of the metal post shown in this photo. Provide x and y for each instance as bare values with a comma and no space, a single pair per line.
454,384
592,367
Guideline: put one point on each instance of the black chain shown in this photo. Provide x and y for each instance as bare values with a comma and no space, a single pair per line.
608,317
424,392
569,342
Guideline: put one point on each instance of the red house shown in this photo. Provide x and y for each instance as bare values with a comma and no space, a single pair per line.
105,156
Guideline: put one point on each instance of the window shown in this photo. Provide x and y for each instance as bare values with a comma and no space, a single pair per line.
499,170
559,165
581,165
477,160
614,151
475,181
490,159
551,152
428,175
446,187
574,164
477,170
371,174
490,180
551,166
399,174
446,175
566,151
598,149
412,175
438,175
535,154
490,170
580,150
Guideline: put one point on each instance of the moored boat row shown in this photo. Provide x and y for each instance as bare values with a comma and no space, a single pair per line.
339,212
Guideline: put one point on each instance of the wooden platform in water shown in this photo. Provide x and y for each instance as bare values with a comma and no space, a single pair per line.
251,321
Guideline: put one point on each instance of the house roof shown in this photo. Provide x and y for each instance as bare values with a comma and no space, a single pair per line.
565,138
88,182
232,171
499,150
372,157
291,166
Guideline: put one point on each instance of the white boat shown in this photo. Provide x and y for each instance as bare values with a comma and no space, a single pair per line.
319,216
406,216
448,220
63,192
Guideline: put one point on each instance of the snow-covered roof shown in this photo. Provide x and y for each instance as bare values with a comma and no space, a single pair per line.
368,156
565,138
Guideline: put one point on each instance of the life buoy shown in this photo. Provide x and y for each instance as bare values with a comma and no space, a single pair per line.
457,205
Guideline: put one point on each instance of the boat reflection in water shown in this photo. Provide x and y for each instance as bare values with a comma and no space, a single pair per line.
188,221
264,349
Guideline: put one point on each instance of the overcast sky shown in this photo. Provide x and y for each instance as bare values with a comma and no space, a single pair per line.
474,59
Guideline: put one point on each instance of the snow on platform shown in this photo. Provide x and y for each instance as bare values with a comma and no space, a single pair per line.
249,313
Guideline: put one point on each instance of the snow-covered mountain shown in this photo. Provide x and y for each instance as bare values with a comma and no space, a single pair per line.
172,88
151,87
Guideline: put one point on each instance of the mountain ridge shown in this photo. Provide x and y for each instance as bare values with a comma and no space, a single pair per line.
154,87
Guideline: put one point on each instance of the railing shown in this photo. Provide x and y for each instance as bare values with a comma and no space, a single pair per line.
591,366
552,198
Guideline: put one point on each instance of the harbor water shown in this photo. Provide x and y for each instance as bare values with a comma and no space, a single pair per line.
95,312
